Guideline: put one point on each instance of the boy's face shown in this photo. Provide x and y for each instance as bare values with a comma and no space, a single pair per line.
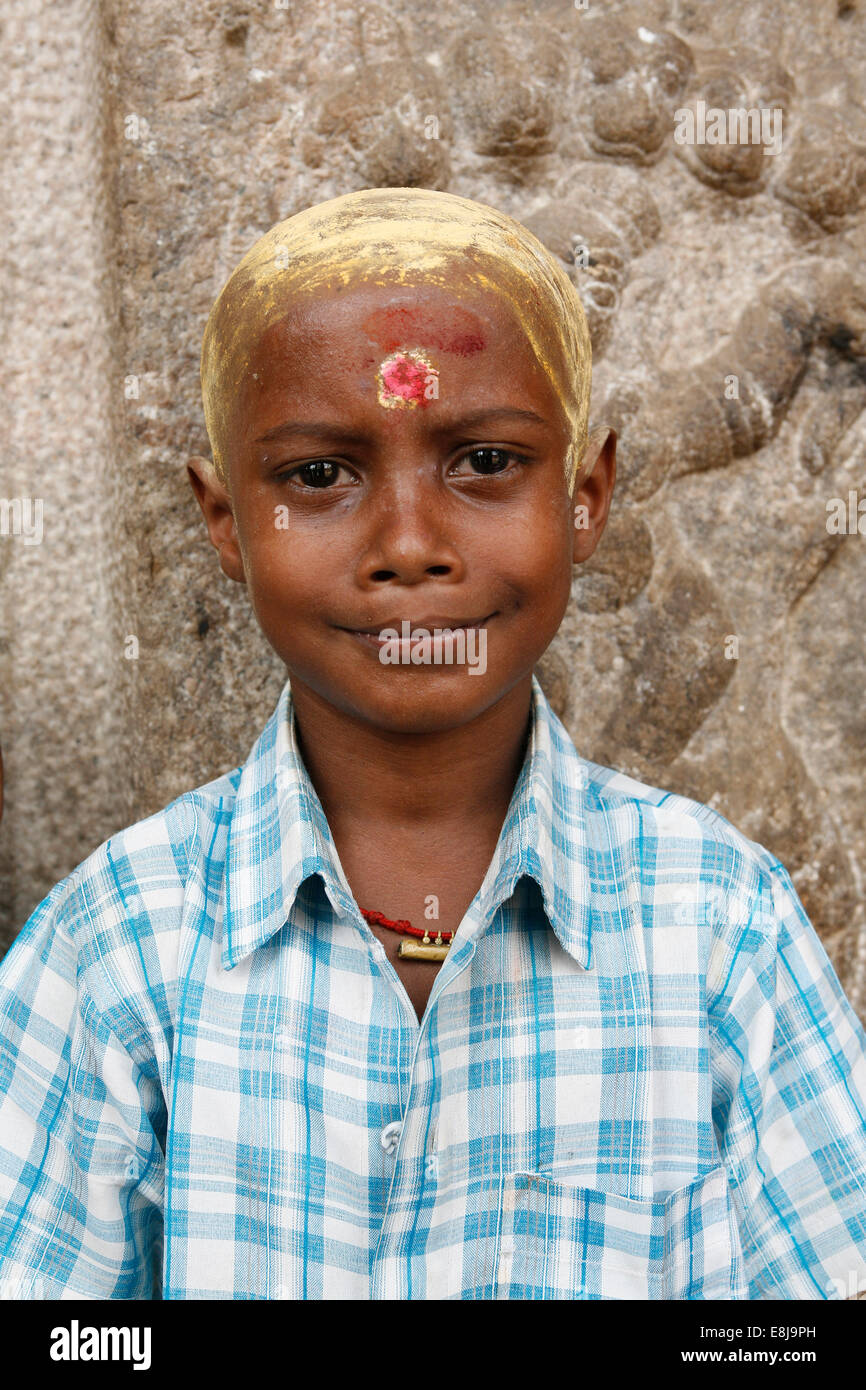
397,454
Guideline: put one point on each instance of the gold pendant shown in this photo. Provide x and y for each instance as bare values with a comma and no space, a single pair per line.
413,949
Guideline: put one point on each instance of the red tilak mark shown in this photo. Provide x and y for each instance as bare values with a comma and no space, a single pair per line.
464,347
405,379
460,334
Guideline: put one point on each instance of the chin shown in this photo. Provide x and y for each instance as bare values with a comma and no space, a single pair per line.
425,704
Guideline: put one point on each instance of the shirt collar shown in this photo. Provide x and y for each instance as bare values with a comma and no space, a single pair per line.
279,837
545,834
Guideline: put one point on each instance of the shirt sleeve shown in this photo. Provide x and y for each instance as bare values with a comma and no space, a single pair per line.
789,1105
82,1119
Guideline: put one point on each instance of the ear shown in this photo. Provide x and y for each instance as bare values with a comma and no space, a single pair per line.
215,501
593,489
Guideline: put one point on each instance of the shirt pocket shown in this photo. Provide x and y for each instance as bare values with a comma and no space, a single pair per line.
561,1240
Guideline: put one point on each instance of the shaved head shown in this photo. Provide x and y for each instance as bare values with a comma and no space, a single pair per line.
388,237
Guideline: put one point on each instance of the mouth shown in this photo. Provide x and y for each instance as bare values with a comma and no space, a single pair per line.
425,627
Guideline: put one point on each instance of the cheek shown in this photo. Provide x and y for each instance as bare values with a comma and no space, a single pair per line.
545,566
284,566
533,573
538,542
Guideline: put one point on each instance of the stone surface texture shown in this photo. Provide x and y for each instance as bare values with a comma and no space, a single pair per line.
147,147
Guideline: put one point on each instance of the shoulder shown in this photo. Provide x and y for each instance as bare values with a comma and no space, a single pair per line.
684,852
666,838
701,879
673,823
117,919
145,860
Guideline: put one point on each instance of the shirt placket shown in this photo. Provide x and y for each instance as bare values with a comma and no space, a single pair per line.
410,1142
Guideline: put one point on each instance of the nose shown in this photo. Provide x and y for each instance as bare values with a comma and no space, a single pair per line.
411,535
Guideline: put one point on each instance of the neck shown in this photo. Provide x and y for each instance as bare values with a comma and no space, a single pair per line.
371,777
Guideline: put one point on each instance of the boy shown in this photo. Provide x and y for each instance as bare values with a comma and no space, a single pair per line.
417,1003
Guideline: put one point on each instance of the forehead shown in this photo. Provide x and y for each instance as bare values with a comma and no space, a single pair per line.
459,323
331,353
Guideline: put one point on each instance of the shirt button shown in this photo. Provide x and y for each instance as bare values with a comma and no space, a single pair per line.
390,1136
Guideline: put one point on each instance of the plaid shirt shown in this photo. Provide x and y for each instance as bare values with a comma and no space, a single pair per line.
637,1075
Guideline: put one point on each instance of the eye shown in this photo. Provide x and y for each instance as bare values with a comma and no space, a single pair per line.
488,460
317,473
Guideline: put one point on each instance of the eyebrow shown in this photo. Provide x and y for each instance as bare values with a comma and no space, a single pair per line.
496,412
326,427
308,427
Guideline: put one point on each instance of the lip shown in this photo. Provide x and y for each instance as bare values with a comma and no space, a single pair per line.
428,625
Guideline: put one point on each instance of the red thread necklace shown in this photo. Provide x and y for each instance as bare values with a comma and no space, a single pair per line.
423,949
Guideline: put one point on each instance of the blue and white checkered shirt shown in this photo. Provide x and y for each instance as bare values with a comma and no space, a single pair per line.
637,1075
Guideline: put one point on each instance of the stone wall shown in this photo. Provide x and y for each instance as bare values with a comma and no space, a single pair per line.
714,646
